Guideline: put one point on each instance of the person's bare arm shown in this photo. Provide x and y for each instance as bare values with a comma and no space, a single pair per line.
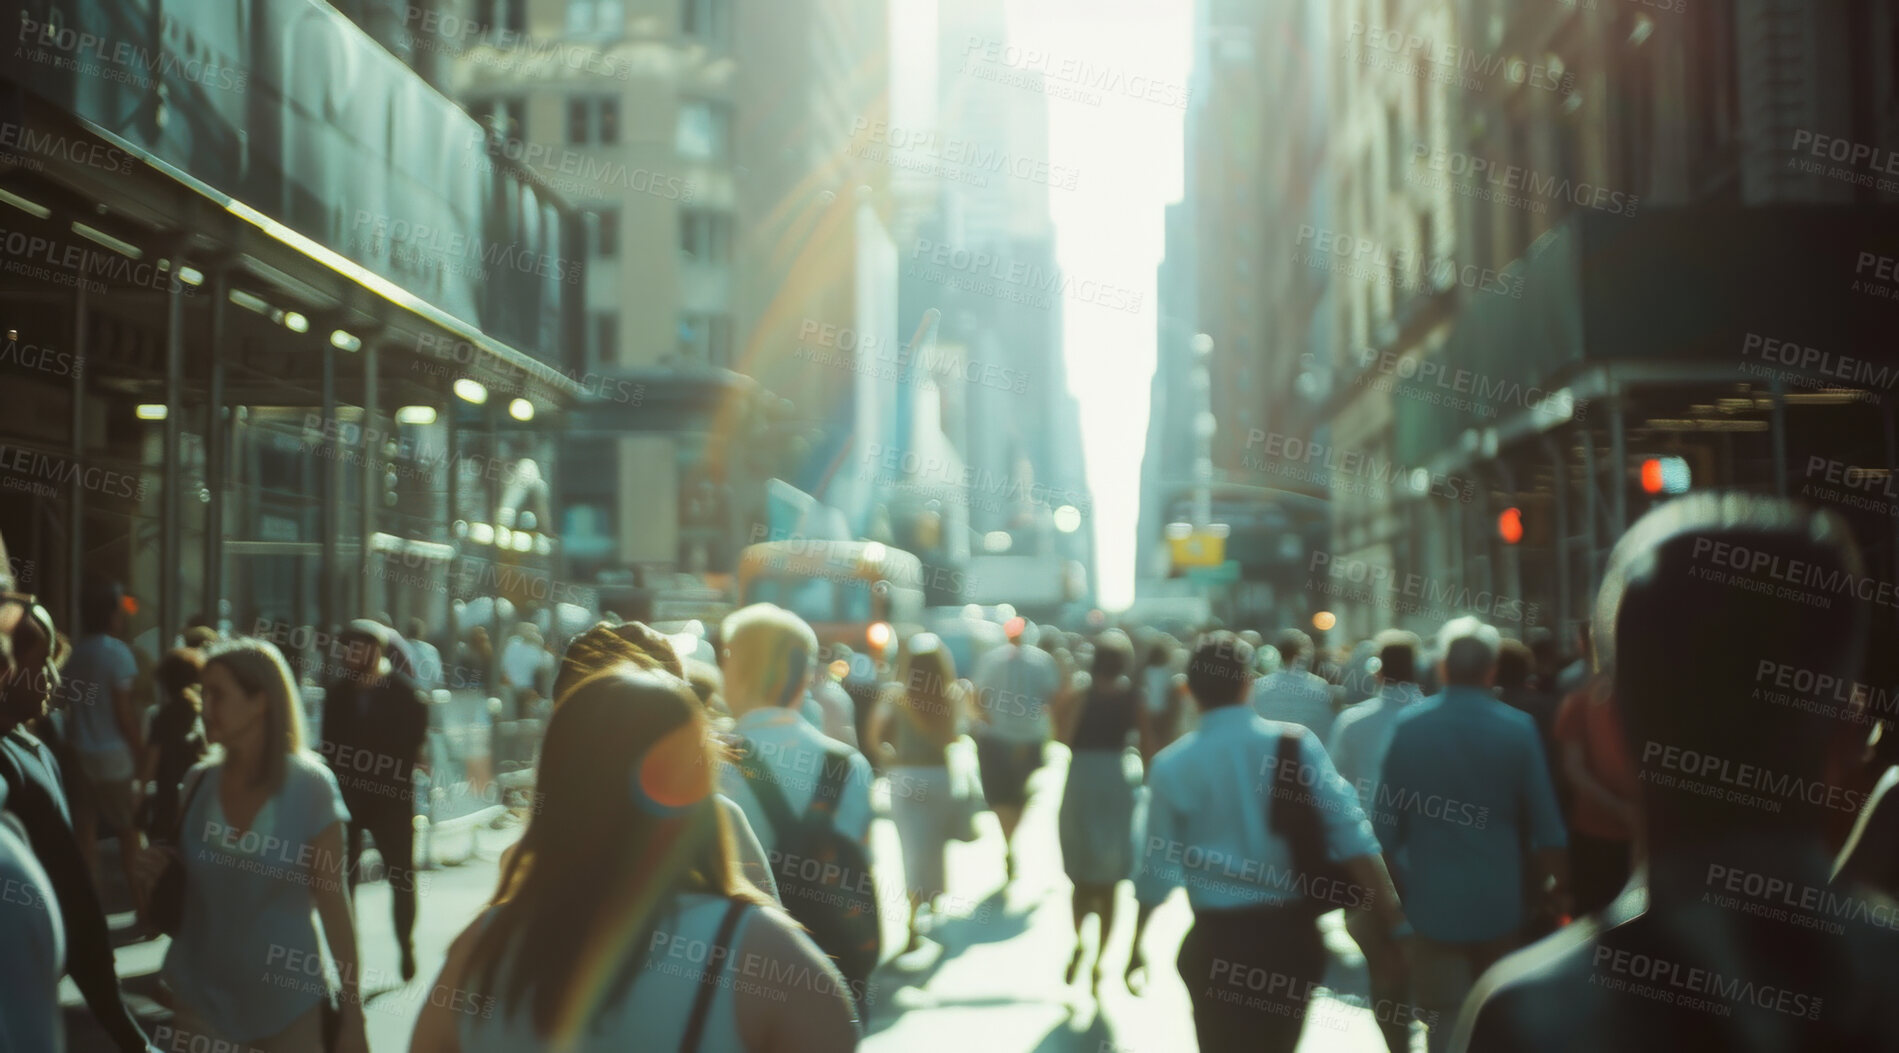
331,892
1373,879
437,1027
811,1010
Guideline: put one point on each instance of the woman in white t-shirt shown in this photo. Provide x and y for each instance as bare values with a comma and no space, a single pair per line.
626,924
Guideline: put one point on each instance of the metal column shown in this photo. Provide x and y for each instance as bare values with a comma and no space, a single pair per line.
371,480
1779,433
1618,463
491,414
329,487
451,457
171,516
216,454
1559,465
1591,514
76,541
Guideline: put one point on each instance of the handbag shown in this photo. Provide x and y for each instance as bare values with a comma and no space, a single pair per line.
166,910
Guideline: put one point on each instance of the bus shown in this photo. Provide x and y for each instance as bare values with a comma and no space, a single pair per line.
863,594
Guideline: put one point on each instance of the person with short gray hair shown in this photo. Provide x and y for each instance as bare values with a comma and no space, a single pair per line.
1466,808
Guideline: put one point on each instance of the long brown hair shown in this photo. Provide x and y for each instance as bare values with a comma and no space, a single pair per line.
930,690
258,667
627,823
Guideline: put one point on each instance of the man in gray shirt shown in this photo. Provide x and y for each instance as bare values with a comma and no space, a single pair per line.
1015,686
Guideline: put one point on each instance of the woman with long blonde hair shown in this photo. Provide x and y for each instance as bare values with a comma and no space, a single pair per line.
261,844
628,925
912,728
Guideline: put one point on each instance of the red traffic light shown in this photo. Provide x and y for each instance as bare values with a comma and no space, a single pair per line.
1665,475
1510,526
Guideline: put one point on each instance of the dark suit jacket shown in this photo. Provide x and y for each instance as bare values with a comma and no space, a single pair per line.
372,736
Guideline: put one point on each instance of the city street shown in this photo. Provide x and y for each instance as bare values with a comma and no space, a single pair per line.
991,967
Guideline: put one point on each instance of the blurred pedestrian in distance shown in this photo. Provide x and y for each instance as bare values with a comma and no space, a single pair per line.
1164,693
1517,687
1016,685
1249,816
50,866
1464,869
1360,739
262,849
102,727
912,728
1097,818
1593,758
176,741
832,707
473,656
375,723
790,773
521,662
200,637
427,670
1737,785
631,858
1294,694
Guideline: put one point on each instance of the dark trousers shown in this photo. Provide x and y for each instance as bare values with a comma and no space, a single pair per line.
391,822
1251,974
1598,869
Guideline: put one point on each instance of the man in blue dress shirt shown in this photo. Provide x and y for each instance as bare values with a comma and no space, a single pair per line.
1262,848
1470,803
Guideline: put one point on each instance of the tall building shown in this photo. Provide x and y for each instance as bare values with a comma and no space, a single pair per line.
1590,226
728,217
286,301
1258,151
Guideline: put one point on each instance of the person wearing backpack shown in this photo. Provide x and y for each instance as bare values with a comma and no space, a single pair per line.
1250,816
806,794
628,924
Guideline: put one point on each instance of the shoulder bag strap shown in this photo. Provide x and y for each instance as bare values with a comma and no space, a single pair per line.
771,796
830,791
708,979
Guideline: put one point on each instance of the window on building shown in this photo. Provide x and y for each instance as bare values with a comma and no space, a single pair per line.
606,232
593,119
596,17
705,237
1714,100
491,16
705,131
707,21
706,338
1635,117
505,115
603,337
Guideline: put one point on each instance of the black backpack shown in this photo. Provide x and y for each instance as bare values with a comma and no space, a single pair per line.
824,877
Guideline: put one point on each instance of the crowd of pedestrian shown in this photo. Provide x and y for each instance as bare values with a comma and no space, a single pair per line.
1518,846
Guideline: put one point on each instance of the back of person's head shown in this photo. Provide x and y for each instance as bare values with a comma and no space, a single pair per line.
1469,652
927,672
1515,665
199,637
626,776
605,645
1397,652
1220,670
179,670
1113,657
1293,646
416,629
1715,610
257,668
768,656
100,606
1252,637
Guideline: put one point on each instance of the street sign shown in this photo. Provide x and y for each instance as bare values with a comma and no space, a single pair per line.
1226,573
1198,549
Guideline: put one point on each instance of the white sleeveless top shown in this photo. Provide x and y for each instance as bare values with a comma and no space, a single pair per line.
652,1012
